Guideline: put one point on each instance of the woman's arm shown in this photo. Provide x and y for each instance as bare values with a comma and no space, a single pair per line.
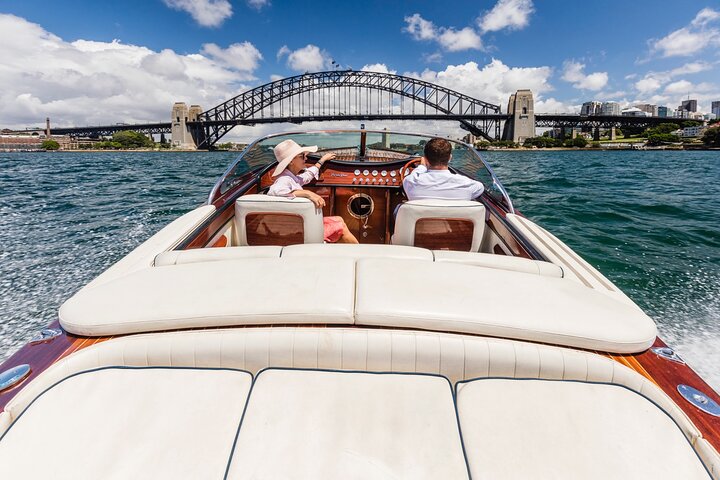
312,196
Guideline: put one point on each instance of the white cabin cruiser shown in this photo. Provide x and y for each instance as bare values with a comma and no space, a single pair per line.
457,340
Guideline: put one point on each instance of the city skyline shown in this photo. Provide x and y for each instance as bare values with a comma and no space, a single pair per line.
133,64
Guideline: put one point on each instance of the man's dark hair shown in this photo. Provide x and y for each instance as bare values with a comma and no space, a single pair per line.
437,152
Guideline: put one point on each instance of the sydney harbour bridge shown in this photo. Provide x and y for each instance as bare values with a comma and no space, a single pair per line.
359,95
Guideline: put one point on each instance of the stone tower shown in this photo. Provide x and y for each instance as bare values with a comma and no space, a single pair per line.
521,124
181,136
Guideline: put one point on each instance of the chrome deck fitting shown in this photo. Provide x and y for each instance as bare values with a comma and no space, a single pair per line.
700,400
13,376
668,354
45,335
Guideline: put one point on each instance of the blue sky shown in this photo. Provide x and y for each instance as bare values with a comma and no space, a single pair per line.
91,62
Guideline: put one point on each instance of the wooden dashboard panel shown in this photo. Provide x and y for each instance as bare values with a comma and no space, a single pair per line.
337,174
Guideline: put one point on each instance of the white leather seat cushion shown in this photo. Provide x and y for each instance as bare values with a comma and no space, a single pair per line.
256,203
328,425
468,299
356,251
235,292
489,260
129,423
410,212
179,257
518,429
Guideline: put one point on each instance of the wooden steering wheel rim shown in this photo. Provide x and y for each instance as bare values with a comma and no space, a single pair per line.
411,164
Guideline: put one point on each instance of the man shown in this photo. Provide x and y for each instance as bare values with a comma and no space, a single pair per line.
432,179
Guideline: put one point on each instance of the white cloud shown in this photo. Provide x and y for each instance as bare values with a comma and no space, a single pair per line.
208,13
705,16
284,50
94,83
419,28
681,86
689,40
433,57
258,4
275,78
574,73
653,81
243,57
458,40
308,59
551,105
648,84
450,39
511,14
378,67
493,82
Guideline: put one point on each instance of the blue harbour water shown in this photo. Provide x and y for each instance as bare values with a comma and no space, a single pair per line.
650,221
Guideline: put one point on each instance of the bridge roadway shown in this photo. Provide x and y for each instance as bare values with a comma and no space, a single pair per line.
546,120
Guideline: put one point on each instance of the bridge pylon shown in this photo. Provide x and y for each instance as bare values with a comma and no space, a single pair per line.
182,136
521,124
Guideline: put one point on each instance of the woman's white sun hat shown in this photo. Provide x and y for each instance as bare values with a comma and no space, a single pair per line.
285,151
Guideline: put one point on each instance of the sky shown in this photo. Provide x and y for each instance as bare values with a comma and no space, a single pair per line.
85,62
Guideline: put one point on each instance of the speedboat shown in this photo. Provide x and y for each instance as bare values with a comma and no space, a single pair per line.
459,339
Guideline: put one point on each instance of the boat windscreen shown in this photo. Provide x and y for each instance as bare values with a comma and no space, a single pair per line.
363,146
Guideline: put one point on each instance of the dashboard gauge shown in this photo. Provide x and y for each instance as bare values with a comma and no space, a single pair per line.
384,173
366,172
393,173
374,173
357,172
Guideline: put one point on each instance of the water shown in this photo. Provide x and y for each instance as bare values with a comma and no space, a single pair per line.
650,221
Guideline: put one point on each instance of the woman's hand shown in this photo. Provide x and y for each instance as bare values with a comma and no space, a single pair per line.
312,196
316,199
326,157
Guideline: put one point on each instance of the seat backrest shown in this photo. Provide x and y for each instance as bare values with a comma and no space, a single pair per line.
440,224
269,220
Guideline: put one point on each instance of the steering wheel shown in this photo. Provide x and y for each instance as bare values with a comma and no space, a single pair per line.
408,167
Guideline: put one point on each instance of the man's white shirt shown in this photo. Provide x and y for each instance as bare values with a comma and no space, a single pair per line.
440,184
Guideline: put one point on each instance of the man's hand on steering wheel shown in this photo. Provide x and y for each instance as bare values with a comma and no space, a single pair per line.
411,165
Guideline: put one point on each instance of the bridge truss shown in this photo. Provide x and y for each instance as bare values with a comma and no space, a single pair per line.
347,95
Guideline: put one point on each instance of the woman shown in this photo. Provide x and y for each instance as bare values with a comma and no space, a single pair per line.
289,181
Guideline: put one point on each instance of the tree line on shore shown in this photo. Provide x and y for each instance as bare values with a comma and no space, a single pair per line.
125,140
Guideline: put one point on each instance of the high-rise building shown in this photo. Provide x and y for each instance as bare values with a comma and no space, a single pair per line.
688,105
610,108
716,109
591,108
651,110
663,112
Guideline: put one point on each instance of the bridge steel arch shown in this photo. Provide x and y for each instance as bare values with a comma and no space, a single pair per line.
478,117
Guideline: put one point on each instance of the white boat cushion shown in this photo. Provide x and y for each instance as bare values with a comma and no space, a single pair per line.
320,424
567,430
468,299
238,292
179,257
356,251
119,423
410,212
490,260
457,357
257,203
